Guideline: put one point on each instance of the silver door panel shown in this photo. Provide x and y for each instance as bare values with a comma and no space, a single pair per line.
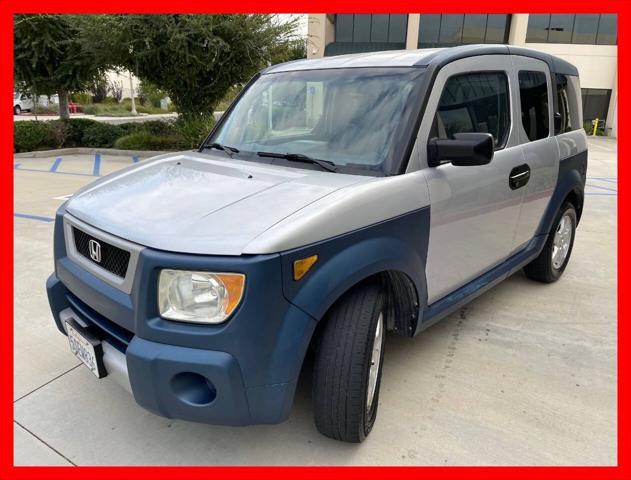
542,156
473,211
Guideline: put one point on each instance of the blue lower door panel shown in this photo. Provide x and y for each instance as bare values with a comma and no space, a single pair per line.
187,383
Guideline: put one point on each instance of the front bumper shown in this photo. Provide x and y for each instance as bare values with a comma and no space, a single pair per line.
192,384
243,371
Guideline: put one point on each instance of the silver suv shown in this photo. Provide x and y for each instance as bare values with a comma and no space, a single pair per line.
335,200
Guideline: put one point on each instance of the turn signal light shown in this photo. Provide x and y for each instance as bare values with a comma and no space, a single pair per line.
302,266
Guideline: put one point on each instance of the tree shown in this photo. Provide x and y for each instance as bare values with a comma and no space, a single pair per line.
195,59
49,58
292,49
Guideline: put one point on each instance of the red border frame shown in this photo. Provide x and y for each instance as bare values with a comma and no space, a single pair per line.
10,7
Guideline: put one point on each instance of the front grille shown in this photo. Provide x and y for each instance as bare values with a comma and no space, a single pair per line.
112,259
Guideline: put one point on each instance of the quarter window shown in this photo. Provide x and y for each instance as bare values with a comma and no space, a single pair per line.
567,100
474,102
533,91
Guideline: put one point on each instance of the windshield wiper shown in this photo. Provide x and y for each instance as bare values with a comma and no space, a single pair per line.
228,150
299,157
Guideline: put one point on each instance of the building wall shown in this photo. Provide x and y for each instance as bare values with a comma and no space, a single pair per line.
597,64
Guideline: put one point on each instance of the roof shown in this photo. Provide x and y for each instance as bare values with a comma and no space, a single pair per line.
424,57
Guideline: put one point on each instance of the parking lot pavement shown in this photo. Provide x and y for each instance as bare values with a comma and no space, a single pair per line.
525,374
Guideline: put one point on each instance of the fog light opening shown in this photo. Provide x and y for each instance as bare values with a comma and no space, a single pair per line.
193,388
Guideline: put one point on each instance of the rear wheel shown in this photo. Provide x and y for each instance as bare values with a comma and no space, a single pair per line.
551,262
348,365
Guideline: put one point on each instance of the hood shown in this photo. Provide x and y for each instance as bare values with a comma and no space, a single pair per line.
197,203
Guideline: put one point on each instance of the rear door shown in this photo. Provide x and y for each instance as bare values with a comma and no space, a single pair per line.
539,146
474,211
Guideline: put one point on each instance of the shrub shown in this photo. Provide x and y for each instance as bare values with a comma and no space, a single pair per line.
100,135
192,131
32,135
81,98
58,131
76,128
146,141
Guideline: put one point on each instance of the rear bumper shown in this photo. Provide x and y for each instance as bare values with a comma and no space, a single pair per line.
175,381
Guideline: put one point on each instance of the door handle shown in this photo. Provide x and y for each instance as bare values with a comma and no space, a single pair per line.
519,176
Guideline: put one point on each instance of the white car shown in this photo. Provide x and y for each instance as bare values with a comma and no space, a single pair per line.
22,102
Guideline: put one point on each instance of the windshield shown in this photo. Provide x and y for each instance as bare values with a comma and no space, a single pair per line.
345,116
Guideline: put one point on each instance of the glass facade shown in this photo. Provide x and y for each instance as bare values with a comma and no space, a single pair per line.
458,29
362,28
589,29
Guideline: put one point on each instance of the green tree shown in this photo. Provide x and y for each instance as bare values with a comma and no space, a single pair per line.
195,59
49,58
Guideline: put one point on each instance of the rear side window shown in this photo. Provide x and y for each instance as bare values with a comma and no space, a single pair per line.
568,106
474,102
533,91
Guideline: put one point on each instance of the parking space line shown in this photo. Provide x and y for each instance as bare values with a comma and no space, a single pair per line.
34,217
55,165
97,165
601,188
48,171
135,159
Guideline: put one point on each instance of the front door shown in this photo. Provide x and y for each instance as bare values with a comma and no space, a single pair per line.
474,209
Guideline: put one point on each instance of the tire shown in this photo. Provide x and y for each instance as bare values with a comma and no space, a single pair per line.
343,408
17,110
546,268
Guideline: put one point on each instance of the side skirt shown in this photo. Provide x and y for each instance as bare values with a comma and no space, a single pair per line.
438,310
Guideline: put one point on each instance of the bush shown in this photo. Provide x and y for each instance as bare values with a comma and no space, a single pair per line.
191,132
32,135
146,141
76,128
100,135
81,98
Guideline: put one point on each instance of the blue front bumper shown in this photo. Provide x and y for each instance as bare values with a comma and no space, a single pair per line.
241,372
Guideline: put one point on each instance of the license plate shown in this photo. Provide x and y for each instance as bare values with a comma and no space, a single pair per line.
86,348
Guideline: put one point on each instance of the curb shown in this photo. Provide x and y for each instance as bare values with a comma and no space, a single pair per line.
89,151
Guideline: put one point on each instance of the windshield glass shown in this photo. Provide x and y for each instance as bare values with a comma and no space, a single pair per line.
345,116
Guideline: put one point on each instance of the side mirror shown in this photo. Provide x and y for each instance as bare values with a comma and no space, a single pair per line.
466,149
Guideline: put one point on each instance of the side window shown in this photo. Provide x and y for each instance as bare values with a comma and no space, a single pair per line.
474,102
568,107
533,91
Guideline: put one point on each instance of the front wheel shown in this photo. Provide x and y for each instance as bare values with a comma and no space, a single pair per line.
348,364
17,110
551,262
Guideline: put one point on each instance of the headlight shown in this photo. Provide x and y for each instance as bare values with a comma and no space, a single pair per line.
199,297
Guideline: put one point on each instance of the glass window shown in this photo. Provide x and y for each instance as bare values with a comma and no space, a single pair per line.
560,30
474,29
595,103
607,30
455,29
398,28
361,28
344,28
497,28
585,29
451,29
429,28
535,116
379,28
566,28
474,102
347,116
568,107
538,26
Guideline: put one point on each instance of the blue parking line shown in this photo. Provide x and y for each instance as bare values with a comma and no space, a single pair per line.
17,165
602,194
135,159
55,165
97,165
34,217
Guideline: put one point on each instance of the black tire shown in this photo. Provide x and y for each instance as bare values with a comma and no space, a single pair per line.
542,268
17,110
342,364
